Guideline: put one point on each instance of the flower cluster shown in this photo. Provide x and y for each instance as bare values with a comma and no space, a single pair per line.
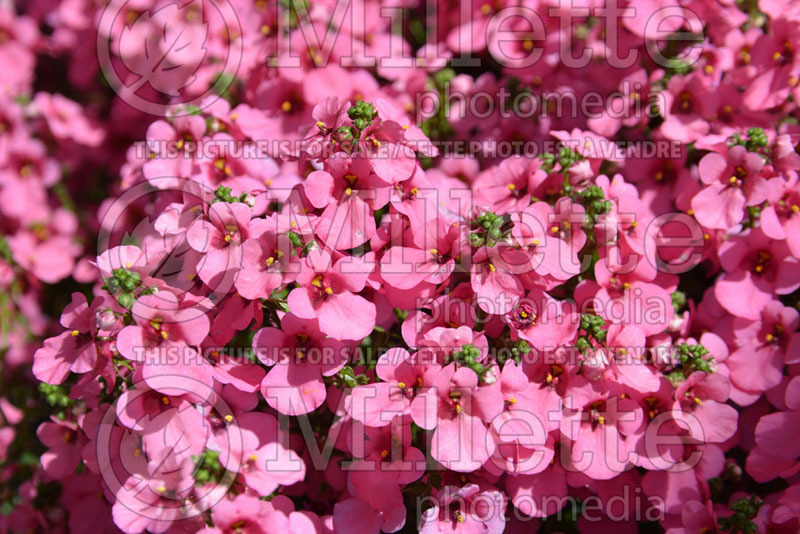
484,267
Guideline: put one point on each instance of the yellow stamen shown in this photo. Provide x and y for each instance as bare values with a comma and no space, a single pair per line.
165,400
329,291
384,453
228,418
75,333
401,385
286,106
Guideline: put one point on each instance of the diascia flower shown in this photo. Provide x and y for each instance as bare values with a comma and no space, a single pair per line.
300,355
314,268
329,291
163,338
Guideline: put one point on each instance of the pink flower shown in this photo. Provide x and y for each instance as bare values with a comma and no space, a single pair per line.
766,343
74,350
66,119
163,338
466,510
756,267
732,183
543,321
431,259
300,355
377,404
221,240
173,144
245,513
347,198
598,425
389,462
778,65
461,441
264,462
328,292
704,395
266,260
64,442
